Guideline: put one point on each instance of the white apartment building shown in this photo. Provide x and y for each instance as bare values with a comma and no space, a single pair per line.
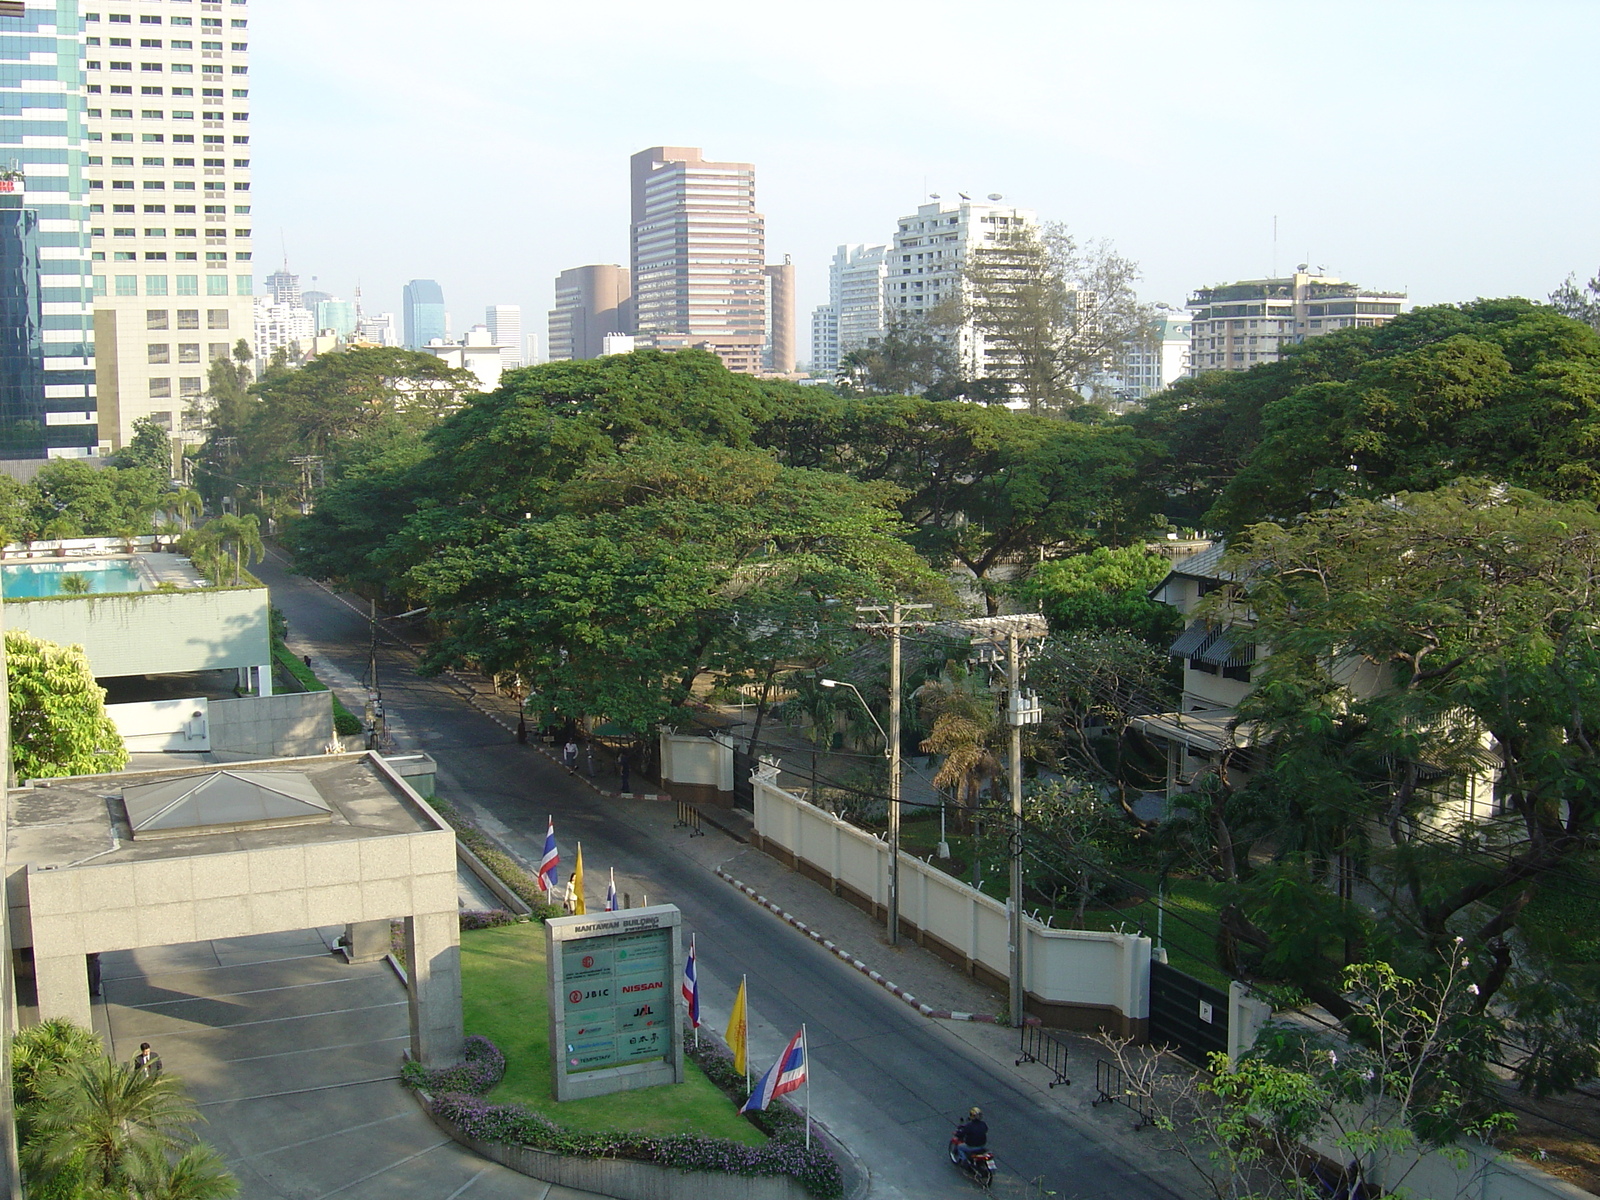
168,176
825,340
281,327
1154,360
925,261
1237,325
380,330
504,323
477,351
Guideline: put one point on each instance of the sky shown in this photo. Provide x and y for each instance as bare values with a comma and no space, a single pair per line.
1445,149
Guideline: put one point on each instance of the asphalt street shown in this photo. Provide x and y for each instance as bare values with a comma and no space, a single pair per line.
887,1082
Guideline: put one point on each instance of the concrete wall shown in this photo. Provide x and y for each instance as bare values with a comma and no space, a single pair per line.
284,726
1074,979
154,633
156,725
698,769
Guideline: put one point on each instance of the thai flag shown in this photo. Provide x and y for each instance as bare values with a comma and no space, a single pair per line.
691,989
784,1076
550,864
611,893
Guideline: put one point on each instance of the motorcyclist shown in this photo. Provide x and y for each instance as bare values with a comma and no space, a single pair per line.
974,1135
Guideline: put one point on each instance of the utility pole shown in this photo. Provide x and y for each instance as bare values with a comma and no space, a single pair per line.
891,624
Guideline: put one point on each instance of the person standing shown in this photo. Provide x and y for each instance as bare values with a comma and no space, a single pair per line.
569,757
622,770
147,1062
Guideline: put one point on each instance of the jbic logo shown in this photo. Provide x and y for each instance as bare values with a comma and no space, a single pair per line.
577,997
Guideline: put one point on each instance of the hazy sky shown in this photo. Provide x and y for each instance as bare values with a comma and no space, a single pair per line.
1448,149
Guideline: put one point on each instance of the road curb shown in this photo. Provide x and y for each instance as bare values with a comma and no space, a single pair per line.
843,955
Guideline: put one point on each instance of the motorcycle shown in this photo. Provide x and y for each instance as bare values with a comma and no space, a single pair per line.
979,1165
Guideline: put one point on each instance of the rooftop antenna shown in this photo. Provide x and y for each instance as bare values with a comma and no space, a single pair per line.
1274,274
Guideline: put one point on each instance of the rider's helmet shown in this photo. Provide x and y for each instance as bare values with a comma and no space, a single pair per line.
975,1112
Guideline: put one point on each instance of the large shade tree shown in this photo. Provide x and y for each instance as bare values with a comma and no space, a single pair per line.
1416,644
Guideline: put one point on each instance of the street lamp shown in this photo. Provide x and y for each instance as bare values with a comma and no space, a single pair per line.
891,749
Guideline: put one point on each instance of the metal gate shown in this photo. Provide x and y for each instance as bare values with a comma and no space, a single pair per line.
744,792
1186,1014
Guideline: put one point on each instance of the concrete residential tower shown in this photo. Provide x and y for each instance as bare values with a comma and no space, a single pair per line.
168,173
48,406
698,255
1238,325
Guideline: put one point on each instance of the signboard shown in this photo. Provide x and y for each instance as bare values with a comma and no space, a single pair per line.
614,1019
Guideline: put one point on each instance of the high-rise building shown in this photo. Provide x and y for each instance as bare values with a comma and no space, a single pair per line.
698,255
168,108
339,316
379,330
504,322
283,285
854,314
281,327
1237,325
931,248
423,308
781,302
591,302
824,340
48,405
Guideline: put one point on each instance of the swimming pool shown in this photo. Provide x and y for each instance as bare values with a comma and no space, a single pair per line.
30,580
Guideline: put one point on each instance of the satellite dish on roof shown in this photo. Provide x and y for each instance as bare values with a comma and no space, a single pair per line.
996,196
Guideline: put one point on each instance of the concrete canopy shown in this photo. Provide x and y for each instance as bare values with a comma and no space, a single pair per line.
78,882
223,801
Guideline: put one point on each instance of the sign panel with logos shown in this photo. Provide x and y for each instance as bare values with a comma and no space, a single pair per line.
614,1023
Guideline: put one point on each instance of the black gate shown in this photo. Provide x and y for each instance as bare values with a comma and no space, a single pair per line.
744,792
1186,1014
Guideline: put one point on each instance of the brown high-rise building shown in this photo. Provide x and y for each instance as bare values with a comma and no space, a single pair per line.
699,253
591,302
780,356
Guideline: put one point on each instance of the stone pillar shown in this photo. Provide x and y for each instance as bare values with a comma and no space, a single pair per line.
264,676
433,970
366,941
63,983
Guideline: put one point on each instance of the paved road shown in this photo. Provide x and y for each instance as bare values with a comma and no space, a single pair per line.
292,1055
887,1081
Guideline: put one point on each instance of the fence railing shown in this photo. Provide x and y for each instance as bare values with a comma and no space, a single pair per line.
1041,1046
689,818
1111,1087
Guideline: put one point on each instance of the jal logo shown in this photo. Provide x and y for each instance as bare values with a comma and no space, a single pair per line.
588,960
644,1011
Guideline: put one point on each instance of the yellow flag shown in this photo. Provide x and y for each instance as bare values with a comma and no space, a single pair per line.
738,1031
578,907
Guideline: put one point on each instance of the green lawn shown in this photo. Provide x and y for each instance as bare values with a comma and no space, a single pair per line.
506,1000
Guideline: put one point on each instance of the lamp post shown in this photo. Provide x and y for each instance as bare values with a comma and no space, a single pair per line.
891,746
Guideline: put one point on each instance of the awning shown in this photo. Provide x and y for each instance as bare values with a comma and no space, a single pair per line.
1230,648
1193,639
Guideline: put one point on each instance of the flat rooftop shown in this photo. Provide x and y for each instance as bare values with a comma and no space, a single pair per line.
63,822
38,575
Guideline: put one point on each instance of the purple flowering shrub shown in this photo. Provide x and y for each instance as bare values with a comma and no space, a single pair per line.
484,1067
457,1095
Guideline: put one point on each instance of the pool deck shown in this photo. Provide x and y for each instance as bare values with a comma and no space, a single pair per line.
154,570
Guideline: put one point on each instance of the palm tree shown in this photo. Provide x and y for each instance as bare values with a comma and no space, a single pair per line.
183,506
109,1121
964,727
226,543
198,1174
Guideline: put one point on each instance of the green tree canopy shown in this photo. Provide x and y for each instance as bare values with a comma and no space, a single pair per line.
1418,645
1104,589
58,713
150,448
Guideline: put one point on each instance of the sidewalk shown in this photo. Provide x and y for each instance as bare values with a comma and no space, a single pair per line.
910,969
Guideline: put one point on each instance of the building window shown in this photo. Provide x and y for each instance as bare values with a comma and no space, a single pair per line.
127,285
158,353
155,318
188,352
189,386
155,285
188,285
188,318
160,389
217,318
244,285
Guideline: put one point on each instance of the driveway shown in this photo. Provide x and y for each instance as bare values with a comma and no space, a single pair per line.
293,1056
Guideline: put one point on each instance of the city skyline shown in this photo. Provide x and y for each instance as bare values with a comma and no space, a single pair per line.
1409,166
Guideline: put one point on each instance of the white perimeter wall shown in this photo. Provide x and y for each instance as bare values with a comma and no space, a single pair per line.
1070,967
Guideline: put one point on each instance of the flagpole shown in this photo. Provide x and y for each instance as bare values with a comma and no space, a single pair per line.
805,1051
744,986
694,953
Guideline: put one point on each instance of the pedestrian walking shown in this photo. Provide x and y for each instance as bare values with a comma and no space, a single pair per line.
306,658
147,1062
622,770
569,757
